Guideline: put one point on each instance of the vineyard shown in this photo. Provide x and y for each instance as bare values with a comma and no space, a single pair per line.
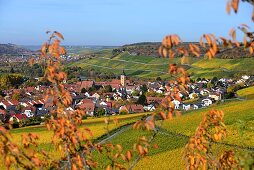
171,140
96,125
151,67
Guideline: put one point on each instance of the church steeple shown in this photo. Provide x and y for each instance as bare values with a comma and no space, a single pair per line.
123,79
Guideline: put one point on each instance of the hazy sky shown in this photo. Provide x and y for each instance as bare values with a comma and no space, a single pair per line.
115,22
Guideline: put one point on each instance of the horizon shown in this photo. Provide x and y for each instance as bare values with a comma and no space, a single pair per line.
114,23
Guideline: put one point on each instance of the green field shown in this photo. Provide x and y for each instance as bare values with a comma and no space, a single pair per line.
239,119
151,67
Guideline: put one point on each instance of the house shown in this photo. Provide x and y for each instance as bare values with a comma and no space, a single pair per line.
176,103
215,96
196,106
207,102
149,108
96,95
85,84
17,117
156,100
88,106
29,111
9,104
245,77
186,107
132,108
204,92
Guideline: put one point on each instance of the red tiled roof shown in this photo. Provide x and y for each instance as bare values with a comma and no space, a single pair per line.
135,108
86,101
87,107
20,116
154,99
6,103
85,84
29,89
2,112
14,102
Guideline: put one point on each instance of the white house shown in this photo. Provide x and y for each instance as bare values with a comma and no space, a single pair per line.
149,108
186,107
28,113
215,96
159,91
87,94
207,102
176,103
245,77
103,103
195,106
204,92
96,95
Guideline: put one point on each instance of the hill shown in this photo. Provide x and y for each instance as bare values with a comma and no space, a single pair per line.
12,49
143,66
151,49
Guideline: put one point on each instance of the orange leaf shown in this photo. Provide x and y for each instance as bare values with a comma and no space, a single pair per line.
232,33
228,8
208,39
59,35
128,154
163,115
155,146
251,50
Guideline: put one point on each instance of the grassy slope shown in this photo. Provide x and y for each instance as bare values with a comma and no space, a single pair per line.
158,66
221,67
246,93
96,125
239,119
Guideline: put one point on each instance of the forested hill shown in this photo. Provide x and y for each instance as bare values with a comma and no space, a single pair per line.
12,49
151,49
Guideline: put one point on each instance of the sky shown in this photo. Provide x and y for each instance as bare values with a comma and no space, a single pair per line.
115,22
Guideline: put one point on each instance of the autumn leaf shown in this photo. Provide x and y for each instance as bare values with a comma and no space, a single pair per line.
128,155
232,33
228,7
59,35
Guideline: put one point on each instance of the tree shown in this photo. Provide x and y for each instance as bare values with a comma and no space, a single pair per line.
100,112
158,79
16,96
143,88
83,90
108,88
142,99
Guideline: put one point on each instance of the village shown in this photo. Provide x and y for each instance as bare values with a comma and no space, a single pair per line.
119,96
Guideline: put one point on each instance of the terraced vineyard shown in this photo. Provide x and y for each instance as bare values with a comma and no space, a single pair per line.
151,67
239,119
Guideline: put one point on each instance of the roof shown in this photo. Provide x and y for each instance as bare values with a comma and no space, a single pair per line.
88,107
86,84
86,101
2,112
135,108
19,116
14,102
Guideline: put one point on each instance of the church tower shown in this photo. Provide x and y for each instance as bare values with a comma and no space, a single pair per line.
123,79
